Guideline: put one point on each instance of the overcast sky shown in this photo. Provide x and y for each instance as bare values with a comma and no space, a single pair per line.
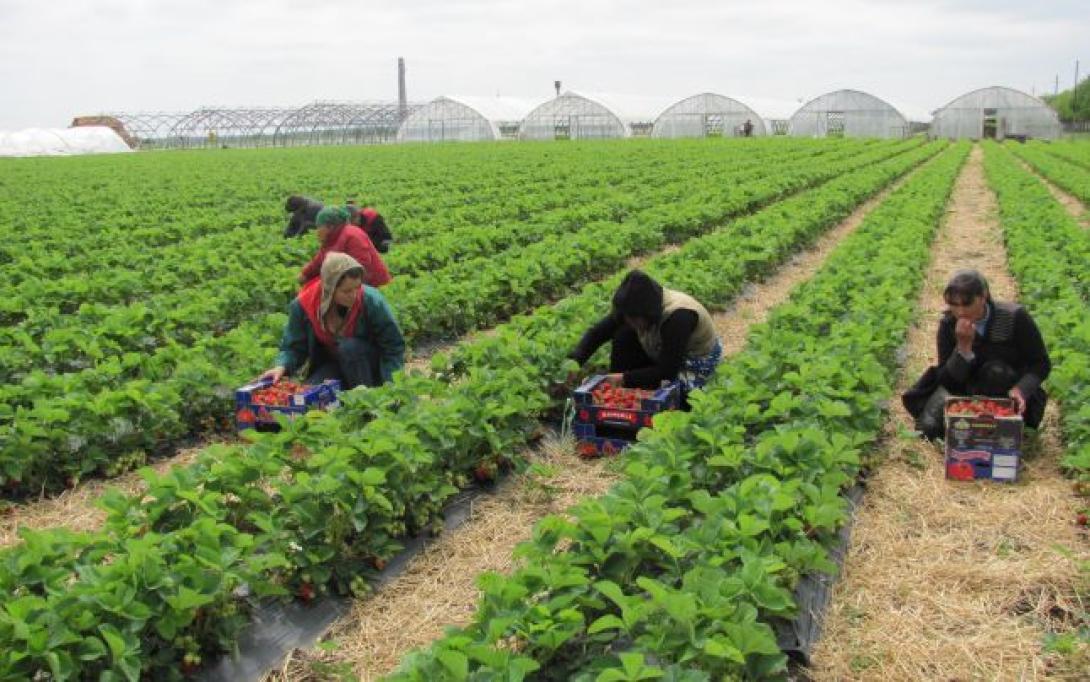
61,58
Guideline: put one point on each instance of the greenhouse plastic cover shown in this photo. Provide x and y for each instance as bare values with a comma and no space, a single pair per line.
61,141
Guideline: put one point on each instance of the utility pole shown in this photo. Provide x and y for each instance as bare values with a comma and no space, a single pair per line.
1056,90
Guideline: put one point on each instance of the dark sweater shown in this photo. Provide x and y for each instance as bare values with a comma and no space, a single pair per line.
303,218
1010,336
676,330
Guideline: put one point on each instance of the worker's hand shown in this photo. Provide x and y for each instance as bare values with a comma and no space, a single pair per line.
616,379
1019,399
275,374
964,332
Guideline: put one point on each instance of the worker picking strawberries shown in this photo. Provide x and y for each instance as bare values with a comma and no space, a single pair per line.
337,235
985,348
657,335
342,328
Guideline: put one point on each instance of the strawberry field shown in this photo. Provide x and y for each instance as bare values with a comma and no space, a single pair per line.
143,289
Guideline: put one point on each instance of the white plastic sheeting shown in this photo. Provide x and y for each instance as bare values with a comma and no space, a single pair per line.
61,141
707,115
848,113
572,116
1004,111
465,119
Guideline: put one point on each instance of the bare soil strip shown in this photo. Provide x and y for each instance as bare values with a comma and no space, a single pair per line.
438,589
948,580
1069,201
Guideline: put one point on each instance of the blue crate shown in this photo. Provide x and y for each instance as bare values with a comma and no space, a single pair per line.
666,398
248,415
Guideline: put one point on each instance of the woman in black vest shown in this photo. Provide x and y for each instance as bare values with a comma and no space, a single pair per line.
985,348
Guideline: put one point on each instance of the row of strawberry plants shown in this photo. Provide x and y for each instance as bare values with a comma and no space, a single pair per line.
321,503
52,341
1049,254
70,430
156,201
133,327
1075,152
1061,172
678,572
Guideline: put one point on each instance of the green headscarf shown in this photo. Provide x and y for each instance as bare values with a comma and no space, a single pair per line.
332,215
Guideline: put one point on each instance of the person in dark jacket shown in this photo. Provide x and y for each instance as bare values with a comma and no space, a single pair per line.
657,335
304,214
985,348
345,329
372,223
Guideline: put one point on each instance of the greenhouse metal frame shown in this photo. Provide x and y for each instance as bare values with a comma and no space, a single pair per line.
317,123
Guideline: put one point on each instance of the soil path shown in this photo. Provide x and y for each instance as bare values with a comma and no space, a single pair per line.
439,589
1075,207
947,580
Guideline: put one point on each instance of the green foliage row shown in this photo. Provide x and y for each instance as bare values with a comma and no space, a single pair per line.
176,570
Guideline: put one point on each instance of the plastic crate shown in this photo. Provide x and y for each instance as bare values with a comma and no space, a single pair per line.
601,430
249,415
666,398
985,446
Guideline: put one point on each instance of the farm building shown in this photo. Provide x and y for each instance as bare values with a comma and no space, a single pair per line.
995,112
465,119
572,116
706,115
848,113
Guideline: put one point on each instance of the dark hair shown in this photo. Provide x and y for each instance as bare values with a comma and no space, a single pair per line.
965,286
294,203
354,273
638,296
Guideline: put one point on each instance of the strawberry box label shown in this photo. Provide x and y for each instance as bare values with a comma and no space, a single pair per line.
607,418
983,439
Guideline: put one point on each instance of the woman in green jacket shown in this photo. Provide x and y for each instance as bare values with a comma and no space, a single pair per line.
345,329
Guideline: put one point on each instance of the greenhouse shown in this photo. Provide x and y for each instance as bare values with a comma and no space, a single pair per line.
572,117
995,112
848,113
62,142
707,115
465,119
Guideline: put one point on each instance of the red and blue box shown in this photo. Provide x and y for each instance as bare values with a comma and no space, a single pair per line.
251,415
602,430
983,446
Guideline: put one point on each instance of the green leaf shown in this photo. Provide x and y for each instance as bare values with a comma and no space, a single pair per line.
606,622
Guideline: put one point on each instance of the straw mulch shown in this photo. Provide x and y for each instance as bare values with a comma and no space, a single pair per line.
439,587
948,580
76,509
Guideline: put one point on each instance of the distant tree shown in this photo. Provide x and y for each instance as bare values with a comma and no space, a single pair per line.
1073,104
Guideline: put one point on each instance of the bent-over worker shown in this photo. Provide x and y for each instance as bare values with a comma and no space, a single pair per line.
304,214
373,224
335,235
657,335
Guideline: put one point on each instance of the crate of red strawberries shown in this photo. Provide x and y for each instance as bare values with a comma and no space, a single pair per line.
258,403
607,417
983,438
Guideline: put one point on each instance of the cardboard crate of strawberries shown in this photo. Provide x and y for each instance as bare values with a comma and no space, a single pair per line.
983,439
607,417
258,403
